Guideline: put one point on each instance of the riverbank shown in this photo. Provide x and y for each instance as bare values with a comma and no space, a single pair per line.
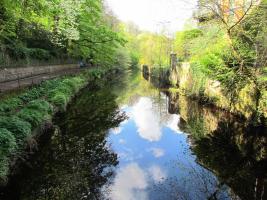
25,116
185,80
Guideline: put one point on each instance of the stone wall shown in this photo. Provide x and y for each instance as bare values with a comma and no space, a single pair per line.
10,74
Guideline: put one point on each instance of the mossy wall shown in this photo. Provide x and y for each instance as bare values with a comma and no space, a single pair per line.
196,85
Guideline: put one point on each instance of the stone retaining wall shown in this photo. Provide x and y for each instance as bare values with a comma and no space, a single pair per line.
10,74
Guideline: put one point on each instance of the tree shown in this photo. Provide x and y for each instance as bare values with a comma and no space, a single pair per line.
230,16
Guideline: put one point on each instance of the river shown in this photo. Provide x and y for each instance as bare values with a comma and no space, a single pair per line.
127,140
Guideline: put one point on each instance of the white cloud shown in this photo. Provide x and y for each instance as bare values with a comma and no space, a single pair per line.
146,120
130,183
157,174
157,152
148,13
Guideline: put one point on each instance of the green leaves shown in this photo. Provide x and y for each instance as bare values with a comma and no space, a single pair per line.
44,29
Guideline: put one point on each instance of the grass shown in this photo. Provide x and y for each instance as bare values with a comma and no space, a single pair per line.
36,112
7,142
20,129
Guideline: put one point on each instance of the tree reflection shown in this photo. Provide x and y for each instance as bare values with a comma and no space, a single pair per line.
241,163
76,162
235,151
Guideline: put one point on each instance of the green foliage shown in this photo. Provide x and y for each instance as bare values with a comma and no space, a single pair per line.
9,105
235,57
19,115
95,73
250,37
20,129
60,100
199,79
44,30
183,42
36,112
154,49
32,94
4,167
7,142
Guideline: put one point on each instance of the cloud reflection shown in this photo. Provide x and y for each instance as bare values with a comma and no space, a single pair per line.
130,184
146,120
157,174
157,152
173,122
149,120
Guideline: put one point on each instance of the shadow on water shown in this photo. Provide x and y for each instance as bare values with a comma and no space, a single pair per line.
74,161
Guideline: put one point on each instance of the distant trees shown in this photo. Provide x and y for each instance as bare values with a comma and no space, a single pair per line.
155,49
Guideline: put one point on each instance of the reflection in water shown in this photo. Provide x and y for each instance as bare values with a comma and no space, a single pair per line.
233,150
169,148
155,160
76,162
201,164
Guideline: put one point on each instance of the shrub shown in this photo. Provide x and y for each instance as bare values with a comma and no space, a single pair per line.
65,89
74,84
7,142
39,54
40,105
4,164
199,80
34,117
34,93
36,112
10,105
60,100
20,129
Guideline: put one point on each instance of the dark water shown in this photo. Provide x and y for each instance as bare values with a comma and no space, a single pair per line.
130,141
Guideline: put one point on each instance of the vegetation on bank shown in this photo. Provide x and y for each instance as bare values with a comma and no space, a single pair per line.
228,58
21,115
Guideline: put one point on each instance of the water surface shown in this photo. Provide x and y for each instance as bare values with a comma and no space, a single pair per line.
128,140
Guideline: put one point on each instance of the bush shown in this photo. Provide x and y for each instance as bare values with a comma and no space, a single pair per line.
36,112
74,84
65,89
60,100
20,129
7,142
39,54
34,117
4,164
40,105
199,80
34,93
10,105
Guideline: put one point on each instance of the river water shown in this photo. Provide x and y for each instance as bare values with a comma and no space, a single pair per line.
127,140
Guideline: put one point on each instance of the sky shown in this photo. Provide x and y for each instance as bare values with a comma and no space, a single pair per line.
154,15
